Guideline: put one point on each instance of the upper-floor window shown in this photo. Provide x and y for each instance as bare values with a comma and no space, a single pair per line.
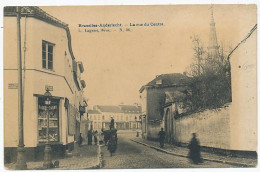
47,55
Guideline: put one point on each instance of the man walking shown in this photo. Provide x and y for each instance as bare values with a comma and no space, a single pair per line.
161,137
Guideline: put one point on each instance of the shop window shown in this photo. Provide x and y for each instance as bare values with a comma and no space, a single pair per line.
43,112
47,55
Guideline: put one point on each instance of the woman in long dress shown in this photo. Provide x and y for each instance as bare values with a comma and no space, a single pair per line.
194,153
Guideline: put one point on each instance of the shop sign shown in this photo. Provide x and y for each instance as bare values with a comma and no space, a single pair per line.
13,86
50,88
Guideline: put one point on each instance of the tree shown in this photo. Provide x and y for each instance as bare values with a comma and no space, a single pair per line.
210,77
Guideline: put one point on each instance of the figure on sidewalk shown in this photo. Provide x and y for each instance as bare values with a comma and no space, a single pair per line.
89,137
106,136
162,135
95,137
80,139
194,147
112,123
112,142
101,137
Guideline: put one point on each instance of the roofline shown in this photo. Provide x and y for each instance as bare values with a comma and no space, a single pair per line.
243,41
142,89
161,86
29,12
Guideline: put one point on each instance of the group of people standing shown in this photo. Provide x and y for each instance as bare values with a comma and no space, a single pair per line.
92,134
108,137
194,147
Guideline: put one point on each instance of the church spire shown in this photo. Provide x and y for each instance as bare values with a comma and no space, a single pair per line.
213,47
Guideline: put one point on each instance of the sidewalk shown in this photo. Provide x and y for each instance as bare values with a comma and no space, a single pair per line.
183,152
87,159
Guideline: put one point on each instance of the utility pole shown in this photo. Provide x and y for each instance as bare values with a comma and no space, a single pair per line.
21,162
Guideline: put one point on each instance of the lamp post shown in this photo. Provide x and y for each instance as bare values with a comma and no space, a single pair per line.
47,151
21,160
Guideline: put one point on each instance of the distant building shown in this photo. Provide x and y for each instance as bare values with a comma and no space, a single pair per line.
48,61
153,96
126,117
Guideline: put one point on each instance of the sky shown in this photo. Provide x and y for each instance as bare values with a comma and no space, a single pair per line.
117,64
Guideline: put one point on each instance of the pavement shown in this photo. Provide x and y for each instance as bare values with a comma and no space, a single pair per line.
183,152
86,157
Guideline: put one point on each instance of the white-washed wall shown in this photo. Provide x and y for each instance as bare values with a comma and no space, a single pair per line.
36,78
244,95
212,128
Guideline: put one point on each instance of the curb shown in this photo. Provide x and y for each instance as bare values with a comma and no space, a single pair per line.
185,156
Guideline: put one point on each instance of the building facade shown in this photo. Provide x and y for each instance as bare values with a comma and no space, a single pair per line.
47,62
126,117
153,96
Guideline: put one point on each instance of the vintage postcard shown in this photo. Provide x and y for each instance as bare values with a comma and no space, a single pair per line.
123,87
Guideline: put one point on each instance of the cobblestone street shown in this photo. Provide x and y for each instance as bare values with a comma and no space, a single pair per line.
133,155
133,152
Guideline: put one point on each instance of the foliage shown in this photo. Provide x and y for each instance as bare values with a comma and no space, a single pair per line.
210,77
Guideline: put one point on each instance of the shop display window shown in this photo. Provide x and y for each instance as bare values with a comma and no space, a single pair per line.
43,111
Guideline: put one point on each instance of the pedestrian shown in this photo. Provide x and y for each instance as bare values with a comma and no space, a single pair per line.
101,136
106,136
161,137
112,143
95,137
80,139
89,137
194,150
112,123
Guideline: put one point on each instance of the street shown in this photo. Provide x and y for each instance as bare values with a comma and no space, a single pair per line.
132,155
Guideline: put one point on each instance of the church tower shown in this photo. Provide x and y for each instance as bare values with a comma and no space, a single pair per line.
213,47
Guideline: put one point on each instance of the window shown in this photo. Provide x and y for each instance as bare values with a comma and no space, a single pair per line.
43,112
47,55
